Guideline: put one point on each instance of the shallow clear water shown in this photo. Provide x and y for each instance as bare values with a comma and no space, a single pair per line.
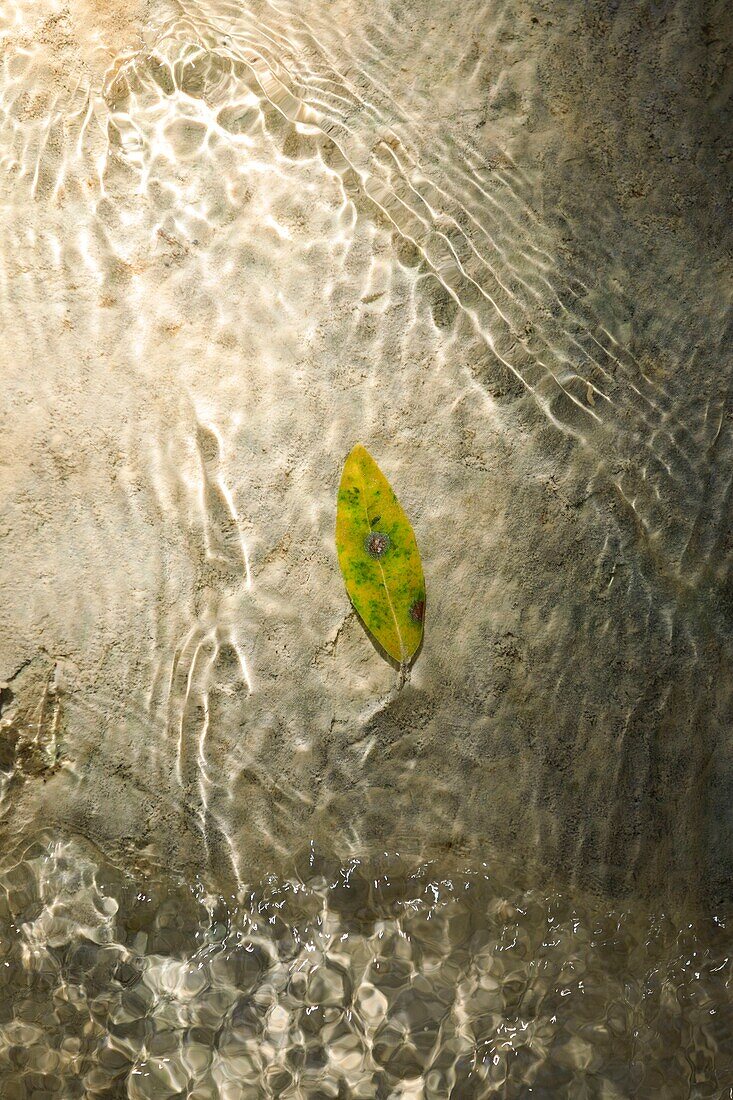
374,980
491,241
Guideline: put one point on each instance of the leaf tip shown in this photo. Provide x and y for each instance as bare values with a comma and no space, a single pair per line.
358,451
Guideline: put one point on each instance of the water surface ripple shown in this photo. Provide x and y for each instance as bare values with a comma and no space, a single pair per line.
375,980
492,242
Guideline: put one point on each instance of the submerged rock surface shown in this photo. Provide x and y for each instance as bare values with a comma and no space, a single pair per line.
492,242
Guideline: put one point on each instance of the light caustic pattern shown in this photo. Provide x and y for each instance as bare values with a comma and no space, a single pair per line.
190,235
233,237
236,239
359,980
471,221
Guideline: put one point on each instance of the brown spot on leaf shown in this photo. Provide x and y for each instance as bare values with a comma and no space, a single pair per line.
417,610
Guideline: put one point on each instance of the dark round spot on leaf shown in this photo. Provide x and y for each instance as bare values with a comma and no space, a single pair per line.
376,543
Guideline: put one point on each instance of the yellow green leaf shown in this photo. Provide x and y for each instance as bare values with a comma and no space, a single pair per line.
379,558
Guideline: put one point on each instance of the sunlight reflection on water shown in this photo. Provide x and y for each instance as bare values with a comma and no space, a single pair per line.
363,980
236,238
